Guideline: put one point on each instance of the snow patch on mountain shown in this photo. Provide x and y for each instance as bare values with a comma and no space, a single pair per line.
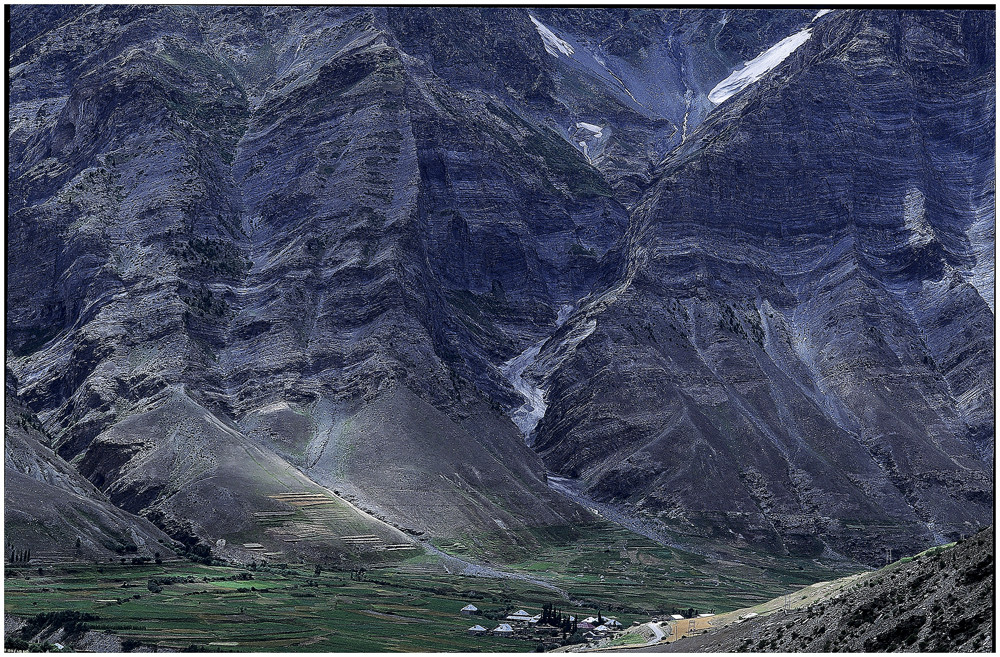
589,137
553,44
757,67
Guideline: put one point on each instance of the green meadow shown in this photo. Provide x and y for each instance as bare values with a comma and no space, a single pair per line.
278,610
412,605
607,566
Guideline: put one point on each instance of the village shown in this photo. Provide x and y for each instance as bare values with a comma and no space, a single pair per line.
552,629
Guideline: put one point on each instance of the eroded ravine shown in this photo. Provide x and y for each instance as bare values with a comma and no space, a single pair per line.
529,414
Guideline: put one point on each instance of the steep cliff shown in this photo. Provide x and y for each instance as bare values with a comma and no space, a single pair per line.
233,230
802,321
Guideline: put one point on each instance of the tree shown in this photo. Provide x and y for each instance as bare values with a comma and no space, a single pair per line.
317,570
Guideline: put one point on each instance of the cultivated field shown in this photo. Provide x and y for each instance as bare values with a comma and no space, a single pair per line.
409,605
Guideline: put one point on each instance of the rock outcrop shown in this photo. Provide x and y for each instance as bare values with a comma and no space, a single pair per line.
51,512
939,601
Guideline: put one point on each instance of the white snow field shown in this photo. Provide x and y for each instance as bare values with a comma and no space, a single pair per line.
553,44
757,67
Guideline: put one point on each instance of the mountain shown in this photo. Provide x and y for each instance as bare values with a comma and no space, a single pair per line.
805,316
266,257
213,238
54,512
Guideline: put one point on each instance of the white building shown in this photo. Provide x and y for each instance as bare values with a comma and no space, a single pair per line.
503,629
520,616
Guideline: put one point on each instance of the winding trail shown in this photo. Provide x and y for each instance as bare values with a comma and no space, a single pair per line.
611,513
658,634
457,565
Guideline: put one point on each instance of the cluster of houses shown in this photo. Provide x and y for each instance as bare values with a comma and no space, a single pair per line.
521,623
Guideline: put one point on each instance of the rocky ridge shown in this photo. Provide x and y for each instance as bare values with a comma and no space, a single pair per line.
939,601
52,511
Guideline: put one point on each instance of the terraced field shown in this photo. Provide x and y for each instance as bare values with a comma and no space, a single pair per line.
325,524
605,564
409,604
278,610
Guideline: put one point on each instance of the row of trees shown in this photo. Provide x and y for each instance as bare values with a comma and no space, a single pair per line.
556,618
20,556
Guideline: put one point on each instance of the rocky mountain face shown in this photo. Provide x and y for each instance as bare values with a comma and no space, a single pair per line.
54,512
802,320
940,601
265,251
